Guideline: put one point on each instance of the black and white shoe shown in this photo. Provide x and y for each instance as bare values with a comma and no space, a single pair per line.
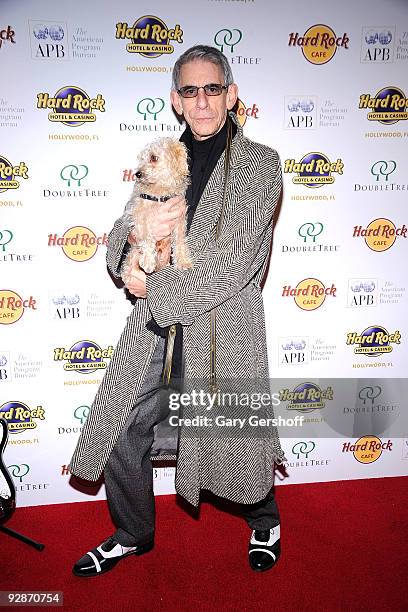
104,557
264,548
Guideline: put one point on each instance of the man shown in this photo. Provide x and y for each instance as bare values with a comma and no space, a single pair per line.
235,185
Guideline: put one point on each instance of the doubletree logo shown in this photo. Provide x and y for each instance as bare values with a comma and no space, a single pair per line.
369,393
150,106
383,168
74,173
310,230
303,448
228,38
6,236
19,470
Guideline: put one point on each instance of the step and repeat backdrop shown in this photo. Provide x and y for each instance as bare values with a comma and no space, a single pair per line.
85,87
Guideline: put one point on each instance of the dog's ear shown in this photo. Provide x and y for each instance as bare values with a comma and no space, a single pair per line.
180,158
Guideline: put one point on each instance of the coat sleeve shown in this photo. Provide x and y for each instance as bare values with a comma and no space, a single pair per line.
117,244
223,269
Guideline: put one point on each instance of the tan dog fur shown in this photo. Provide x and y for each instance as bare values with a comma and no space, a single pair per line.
163,171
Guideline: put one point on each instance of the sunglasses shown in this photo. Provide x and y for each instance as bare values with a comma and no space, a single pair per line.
191,91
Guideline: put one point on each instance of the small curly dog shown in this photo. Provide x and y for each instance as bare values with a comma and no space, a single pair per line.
162,173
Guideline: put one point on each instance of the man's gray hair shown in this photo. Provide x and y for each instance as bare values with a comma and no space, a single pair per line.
207,54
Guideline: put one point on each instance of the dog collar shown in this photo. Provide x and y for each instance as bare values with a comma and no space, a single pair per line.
146,196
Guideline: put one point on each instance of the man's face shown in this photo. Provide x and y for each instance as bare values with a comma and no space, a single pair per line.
204,114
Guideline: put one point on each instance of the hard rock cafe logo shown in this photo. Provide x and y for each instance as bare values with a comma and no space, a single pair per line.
380,234
20,417
306,397
9,172
84,357
244,112
12,306
313,170
78,243
373,341
71,106
319,43
149,36
367,449
309,294
388,106
7,35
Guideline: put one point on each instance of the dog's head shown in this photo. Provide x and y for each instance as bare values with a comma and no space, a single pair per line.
163,167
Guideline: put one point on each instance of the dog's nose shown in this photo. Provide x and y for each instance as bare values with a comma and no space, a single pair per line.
139,174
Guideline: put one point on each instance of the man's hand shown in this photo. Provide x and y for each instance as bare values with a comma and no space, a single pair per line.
137,286
163,223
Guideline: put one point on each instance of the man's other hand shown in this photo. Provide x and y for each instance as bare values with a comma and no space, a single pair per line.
163,223
137,286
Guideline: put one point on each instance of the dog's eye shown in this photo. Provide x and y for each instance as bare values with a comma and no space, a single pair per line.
154,158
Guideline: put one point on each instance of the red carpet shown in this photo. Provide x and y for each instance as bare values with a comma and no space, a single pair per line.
344,548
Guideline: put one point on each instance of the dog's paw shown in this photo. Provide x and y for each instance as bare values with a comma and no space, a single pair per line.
184,264
148,264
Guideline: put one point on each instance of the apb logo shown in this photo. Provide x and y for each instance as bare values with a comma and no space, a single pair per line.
300,112
293,351
151,107
84,357
12,306
388,106
362,292
306,397
74,174
150,36
78,243
380,234
71,106
48,40
67,307
319,43
367,449
5,372
377,44
309,294
313,170
373,341
227,38
8,174
20,417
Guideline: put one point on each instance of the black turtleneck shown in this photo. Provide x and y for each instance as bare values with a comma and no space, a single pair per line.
203,157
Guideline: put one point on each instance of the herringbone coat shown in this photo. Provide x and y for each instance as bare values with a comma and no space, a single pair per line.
226,274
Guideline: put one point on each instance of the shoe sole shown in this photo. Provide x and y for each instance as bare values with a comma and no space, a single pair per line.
265,569
141,551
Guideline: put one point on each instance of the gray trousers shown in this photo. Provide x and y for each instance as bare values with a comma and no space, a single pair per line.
129,473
